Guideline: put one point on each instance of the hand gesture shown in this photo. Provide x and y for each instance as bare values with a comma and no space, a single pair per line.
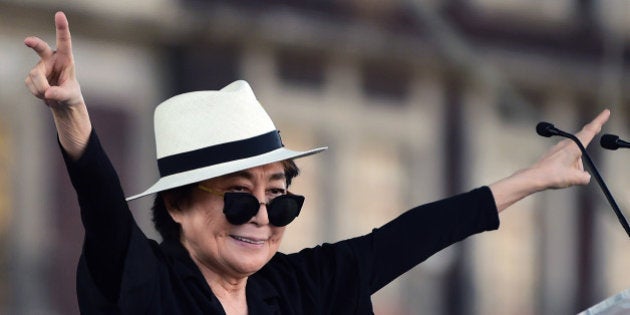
53,79
560,167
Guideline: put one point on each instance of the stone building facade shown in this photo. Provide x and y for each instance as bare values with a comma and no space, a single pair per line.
417,100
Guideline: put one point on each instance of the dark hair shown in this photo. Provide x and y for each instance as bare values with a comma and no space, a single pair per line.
179,196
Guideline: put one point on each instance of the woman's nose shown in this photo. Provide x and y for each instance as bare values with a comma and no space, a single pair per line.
261,217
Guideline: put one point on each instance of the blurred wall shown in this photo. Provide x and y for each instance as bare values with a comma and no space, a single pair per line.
417,100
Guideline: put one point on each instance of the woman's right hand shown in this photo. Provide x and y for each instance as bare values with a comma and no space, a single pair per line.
53,79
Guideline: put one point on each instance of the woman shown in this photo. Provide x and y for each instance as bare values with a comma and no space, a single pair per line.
223,203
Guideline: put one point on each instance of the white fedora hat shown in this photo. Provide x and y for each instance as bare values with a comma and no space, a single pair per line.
206,134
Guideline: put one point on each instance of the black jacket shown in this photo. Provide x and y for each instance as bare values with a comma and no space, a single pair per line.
122,272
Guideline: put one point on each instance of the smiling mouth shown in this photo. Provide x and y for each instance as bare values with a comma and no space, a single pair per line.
248,240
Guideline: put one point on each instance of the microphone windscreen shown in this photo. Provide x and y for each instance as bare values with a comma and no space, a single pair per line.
609,142
544,129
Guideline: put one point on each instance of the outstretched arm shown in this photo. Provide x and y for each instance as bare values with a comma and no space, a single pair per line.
105,215
54,80
560,167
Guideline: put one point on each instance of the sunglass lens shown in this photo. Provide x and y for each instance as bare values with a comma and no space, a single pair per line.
239,207
284,209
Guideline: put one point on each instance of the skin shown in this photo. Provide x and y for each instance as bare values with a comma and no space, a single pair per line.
560,167
207,236
227,254
54,80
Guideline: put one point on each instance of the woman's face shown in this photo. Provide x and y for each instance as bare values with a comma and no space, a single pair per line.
220,247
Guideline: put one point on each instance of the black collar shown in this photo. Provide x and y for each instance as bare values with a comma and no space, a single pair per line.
262,297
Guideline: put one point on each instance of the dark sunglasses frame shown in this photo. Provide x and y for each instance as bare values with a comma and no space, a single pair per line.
240,207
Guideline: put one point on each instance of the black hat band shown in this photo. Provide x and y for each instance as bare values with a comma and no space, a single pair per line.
220,153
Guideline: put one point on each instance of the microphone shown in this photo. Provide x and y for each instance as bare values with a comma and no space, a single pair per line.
546,129
612,142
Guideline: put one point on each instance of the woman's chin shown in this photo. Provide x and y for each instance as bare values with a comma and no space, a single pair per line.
249,258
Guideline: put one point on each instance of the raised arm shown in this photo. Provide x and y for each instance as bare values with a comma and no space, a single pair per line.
54,80
560,167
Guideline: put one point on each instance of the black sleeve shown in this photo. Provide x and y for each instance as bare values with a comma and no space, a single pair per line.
340,278
105,216
425,230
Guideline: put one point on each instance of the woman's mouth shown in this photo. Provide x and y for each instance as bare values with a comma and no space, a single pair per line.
248,240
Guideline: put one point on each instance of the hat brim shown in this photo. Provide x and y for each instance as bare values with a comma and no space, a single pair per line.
208,172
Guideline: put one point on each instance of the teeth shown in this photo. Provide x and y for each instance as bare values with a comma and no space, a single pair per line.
247,240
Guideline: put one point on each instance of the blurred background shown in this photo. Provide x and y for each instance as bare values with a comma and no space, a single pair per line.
417,100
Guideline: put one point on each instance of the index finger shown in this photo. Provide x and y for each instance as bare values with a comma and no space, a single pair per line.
594,127
64,42
39,46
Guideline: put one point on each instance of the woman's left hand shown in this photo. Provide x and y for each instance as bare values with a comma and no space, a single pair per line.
560,167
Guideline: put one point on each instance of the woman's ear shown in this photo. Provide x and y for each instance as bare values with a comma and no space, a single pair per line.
171,206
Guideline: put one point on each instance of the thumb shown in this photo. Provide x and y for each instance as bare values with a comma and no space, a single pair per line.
582,178
64,95
55,93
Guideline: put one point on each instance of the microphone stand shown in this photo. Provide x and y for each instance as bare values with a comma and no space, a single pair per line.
547,130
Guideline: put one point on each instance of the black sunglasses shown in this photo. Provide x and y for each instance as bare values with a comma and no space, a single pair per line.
240,207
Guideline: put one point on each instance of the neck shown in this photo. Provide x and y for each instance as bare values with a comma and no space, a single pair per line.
232,296
230,290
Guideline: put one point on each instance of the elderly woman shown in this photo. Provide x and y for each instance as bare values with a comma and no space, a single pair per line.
222,204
